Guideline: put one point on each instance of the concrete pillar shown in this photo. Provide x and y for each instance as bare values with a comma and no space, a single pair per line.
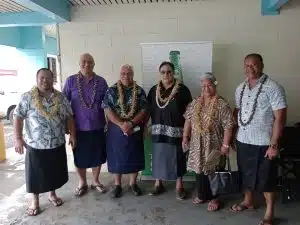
2,145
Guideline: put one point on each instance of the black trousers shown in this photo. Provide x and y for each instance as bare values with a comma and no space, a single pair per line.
203,189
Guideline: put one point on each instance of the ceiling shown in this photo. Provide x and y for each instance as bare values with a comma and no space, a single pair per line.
8,6
111,2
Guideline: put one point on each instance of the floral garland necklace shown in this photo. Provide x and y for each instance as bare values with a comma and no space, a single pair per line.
80,92
132,110
212,108
166,100
39,105
254,104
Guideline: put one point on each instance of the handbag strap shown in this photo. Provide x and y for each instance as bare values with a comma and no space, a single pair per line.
228,164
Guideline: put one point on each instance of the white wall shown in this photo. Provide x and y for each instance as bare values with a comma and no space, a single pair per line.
26,62
113,34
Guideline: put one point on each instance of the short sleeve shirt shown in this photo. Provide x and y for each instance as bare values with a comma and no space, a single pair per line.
271,98
39,131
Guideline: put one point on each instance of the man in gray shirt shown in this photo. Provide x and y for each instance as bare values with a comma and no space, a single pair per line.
261,114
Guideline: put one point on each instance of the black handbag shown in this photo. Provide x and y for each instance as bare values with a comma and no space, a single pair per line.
224,182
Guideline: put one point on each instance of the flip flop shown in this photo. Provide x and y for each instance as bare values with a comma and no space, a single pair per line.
79,191
157,190
266,222
180,194
241,207
197,201
213,203
99,187
56,202
33,212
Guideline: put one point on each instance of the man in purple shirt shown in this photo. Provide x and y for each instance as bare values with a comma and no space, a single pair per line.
85,90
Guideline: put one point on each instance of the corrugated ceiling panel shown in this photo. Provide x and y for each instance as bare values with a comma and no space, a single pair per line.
113,2
11,6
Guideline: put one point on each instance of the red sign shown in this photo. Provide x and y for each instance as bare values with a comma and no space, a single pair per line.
8,72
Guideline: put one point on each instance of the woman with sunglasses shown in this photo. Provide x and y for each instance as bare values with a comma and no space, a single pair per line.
167,103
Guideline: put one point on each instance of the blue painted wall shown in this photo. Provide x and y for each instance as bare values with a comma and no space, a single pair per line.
28,38
10,36
31,42
31,37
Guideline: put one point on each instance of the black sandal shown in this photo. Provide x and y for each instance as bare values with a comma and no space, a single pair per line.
80,191
157,190
99,187
136,191
116,192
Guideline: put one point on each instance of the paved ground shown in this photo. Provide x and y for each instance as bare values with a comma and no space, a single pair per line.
96,208
8,134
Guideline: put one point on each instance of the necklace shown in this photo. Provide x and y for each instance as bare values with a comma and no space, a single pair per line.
80,93
165,100
39,105
132,110
254,104
212,108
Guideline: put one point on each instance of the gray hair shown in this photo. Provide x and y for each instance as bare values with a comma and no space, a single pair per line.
127,66
87,55
209,76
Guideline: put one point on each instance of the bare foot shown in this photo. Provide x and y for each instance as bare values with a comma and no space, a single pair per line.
268,218
241,207
213,205
54,200
198,201
266,222
33,209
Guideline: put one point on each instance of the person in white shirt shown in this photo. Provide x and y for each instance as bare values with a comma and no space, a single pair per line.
261,109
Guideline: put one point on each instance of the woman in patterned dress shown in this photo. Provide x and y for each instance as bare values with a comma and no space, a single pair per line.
207,133
44,112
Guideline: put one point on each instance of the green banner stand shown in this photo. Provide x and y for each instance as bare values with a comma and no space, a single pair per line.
148,157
